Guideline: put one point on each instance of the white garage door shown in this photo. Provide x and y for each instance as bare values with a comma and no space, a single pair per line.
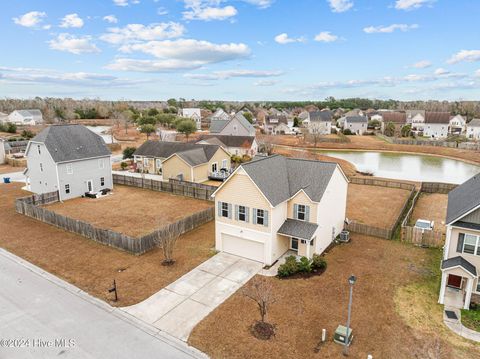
243,247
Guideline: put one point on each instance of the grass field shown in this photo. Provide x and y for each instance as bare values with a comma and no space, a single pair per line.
92,266
432,207
129,210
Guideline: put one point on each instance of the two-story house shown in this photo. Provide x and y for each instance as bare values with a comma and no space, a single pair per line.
69,159
357,125
461,255
458,125
275,204
473,129
194,114
437,125
320,122
238,125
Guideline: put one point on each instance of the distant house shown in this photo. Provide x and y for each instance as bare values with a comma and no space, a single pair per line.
235,145
195,114
356,124
283,204
302,116
354,112
237,125
473,129
26,117
399,119
220,114
320,122
186,161
69,159
458,125
276,124
461,261
436,125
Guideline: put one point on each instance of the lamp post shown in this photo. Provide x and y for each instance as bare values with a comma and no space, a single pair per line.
351,280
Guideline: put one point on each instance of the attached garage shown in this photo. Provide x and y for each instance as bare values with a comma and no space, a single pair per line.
243,247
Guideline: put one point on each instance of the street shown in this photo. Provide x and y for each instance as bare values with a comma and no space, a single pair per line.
42,317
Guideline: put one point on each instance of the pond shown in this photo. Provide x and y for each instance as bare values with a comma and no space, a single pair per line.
408,166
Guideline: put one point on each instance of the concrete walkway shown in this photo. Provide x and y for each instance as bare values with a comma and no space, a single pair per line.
179,307
42,316
457,327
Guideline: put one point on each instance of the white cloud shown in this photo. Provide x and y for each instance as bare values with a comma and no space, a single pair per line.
112,19
140,32
265,83
73,44
390,28
441,71
262,4
422,64
411,4
178,55
126,2
326,36
284,39
71,20
210,13
340,5
162,11
465,55
30,19
227,74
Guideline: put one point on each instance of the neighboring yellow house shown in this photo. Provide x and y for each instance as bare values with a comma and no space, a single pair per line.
271,205
186,161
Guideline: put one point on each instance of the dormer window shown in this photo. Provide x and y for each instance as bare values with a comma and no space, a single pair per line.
301,212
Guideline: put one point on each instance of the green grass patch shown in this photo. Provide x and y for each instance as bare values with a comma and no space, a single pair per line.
471,318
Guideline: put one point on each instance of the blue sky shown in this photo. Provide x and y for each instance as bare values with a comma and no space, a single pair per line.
240,50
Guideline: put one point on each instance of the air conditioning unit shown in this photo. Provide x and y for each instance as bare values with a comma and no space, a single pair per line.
344,236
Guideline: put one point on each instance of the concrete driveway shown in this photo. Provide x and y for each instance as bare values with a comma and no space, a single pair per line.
179,307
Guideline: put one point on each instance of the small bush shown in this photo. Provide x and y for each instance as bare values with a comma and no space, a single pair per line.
11,128
318,262
305,265
128,152
290,267
347,132
124,165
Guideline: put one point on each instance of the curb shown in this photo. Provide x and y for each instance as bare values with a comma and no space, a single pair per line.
149,329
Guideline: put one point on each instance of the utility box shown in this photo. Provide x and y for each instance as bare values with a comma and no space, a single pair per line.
344,236
340,336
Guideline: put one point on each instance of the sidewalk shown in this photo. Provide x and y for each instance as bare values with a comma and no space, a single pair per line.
457,327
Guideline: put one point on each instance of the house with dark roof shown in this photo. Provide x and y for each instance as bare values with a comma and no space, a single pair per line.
276,124
235,145
26,117
437,125
186,161
460,284
237,125
319,122
357,125
69,159
275,204
473,129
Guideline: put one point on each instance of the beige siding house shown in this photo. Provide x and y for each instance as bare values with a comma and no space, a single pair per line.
186,161
461,257
275,204
235,145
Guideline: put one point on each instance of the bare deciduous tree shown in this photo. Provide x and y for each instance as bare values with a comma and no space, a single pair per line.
261,292
166,241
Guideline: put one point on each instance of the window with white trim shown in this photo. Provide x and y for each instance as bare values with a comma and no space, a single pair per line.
67,188
225,210
470,244
301,212
214,167
159,163
242,213
260,216
145,162
224,163
102,181
70,169
101,164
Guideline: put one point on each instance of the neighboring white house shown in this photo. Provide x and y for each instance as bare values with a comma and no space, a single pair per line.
195,114
458,125
473,129
26,117
436,125
70,159
320,122
220,114
376,117
236,145
461,255
356,124
276,124
238,125
274,204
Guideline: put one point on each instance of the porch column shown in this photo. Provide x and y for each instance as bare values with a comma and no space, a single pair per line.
468,295
441,298
308,249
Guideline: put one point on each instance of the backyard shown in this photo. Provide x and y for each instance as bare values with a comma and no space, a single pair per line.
380,326
375,206
129,210
5,168
92,266
432,207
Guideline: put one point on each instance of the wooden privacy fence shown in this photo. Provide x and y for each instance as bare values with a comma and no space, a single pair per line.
360,228
382,183
436,187
181,188
28,206
422,238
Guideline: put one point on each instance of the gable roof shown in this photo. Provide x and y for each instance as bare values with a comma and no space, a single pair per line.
437,117
320,116
463,199
72,142
33,112
229,141
474,123
356,119
459,261
193,154
217,126
277,119
395,117
278,177
298,229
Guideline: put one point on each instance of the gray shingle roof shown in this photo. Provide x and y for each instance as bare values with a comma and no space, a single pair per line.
356,119
321,116
229,141
216,126
463,199
474,123
298,229
279,178
72,142
32,112
193,154
459,261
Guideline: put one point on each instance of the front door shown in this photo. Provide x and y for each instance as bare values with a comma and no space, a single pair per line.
454,281
90,185
294,244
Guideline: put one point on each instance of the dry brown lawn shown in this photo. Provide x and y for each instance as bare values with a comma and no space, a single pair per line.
8,169
304,306
92,266
375,206
432,207
129,210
